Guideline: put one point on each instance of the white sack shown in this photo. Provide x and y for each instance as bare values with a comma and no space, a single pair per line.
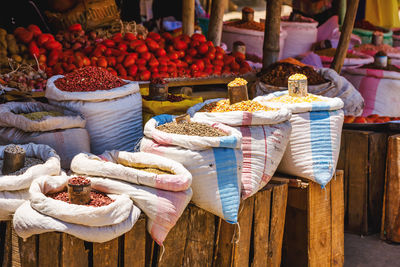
10,201
338,86
113,117
114,213
51,166
120,165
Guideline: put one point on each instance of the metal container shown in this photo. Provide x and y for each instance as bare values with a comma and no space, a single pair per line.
381,61
182,118
237,94
158,92
297,87
79,194
13,162
377,38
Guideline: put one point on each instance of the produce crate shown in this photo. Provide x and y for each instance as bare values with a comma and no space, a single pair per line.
198,239
363,159
314,229
390,230
59,249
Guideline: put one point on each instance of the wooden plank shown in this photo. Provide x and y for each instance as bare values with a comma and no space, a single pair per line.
392,201
262,211
188,17
272,32
73,252
295,247
7,254
376,179
174,244
337,209
200,238
241,251
135,244
105,254
216,21
345,35
278,210
28,250
49,249
224,249
319,225
342,164
357,192
3,227
15,254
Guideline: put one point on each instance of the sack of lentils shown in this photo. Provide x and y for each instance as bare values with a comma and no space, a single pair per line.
209,151
39,160
112,107
314,144
265,133
105,217
324,82
137,168
60,128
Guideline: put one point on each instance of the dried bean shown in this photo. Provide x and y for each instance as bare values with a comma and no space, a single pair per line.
79,180
97,199
29,162
191,128
224,106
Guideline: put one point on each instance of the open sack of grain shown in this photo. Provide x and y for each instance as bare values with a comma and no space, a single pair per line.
209,151
39,160
314,143
379,88
104,218
265,134
325,82
59,128
112,107
159,186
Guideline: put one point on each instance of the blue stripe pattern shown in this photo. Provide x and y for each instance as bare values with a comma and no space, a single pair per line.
228,141
321,146
225,161
318,106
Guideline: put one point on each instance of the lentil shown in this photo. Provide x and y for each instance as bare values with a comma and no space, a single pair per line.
14,149
237,82
191,128
37,116
29,162
79,180
97,199
250,25
287,99
224,106
330,52
277,74
88,79
371,49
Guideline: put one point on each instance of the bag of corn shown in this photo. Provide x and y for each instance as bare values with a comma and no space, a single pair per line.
265,135
113,117
379,89
40,123
94,224
314,144
337,86
215,167
139,168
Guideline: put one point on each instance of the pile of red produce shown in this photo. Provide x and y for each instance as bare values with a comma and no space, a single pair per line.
88,79
128,56
79,180
373,118
97,199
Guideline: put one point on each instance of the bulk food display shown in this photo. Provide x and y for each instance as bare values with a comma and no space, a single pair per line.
19,166
325,82
48,211
314,144
353,58
60,128
112,107
215,161
265,133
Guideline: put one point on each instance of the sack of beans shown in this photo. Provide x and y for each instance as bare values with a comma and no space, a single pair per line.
209,151
112,107
59,128
379,87
265,133
325,82
162,208
314,143
138,168
105,217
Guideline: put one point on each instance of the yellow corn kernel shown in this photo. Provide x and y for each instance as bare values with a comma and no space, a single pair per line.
297,77
287,99
237,82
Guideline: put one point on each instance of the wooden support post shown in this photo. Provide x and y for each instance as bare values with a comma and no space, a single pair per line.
272,31
188,17
216,21
345,35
